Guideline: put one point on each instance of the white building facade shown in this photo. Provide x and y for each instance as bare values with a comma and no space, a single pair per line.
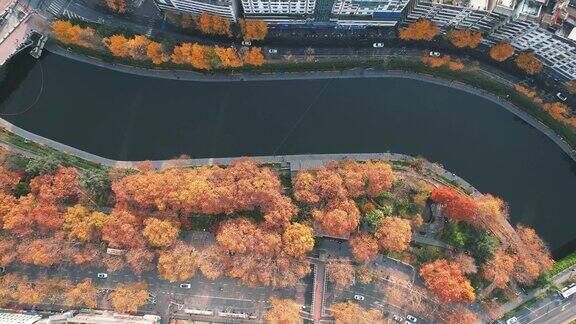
224,8
279,10
368,12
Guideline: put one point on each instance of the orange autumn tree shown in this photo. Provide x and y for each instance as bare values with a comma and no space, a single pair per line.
8,180
364,247
464,38
499,269
178,263
83,293
456,205
460,315
283,311
419,30
394,234
127,298
214,24
338,218
571,86
528,62
533,258
349,312
63,186
341,272
160,233
253,29
254,56
118,6
447,281
122,230
198,56
68,33
501,52
228,56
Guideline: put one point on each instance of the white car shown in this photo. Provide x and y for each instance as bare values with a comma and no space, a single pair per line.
102,275
378,45
435,54
272,51
411,318
246,43
512,320
2,270
397,318
358,297
560,96
186,286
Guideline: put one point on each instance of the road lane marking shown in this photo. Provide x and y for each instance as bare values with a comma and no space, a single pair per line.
547,312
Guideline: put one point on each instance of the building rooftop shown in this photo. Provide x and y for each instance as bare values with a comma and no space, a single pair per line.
107,317
8,317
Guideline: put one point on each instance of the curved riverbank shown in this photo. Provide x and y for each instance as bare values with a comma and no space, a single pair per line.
347,74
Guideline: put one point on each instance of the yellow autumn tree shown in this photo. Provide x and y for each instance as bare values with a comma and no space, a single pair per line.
254,56
68,33
179,263
118,45
420,30
228,56
214,24
127,298
118,6
253,29
464,38
198,56
156,53
283,311
528,62
160,233
501,52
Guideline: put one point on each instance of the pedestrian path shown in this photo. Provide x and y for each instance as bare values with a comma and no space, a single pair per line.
56,7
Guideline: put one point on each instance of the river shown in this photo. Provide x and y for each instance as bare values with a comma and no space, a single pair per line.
130,117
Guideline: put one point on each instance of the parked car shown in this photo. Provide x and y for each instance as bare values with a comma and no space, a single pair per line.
272,51
512,320
378,45
560,96
246,43
435,54
411,318
358,297
102,275
397,318
186,286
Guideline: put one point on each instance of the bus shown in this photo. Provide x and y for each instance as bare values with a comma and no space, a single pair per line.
199,312
568,291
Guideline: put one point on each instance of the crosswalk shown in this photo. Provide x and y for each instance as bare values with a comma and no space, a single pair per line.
72,15
56,6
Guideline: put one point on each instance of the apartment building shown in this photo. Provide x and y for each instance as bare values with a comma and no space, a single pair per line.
279,10
225,8
448,16
556,52
368,12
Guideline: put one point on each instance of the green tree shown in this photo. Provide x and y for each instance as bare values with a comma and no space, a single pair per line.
98,182
374,217
453,235
484,246
45,164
